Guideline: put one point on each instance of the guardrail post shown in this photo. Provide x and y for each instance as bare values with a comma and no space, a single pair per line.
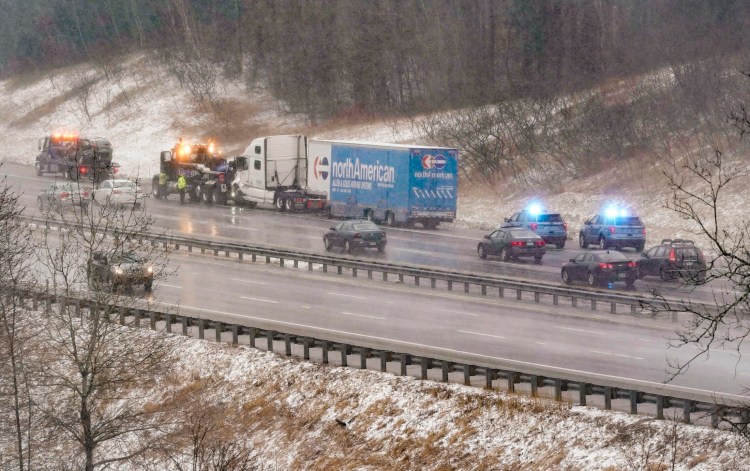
634,402
152,320
122,313
468,371
241,255
184,326
433,283
309,266
354,272
660,407
501,292
268,259
281,262
168,320
416,280
384,356
607,398
190,249
344,349
324,348
287,345
484,290
716,413
363,353
466,287
253,333
405,361
369,274
269,340
674,316
613,307
687,407
385,276
519,293
537,296
176,246
218,327
216,252
558,389
137,315
423,367
400,278
593,304
306,348
555,299
339,269
254,258
489,375
512,377
450,285
201,328
235,334
632,308
325,268
582,391
573,301
534,385
446,368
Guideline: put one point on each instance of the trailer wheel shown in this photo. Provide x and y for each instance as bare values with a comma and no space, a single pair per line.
289,204
280,204
156,188
390,219
369,214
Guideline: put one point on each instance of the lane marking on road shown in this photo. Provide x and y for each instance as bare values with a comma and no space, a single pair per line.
313,237
305,307
449,351
347,296
616,355
458,312
581,330
248,281
424,252
261,300
362,315
481,334
170,286
644,340
541,343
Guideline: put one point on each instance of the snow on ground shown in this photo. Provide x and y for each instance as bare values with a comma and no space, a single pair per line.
398,422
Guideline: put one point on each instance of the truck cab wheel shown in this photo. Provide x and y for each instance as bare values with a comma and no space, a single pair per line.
390,219
288,204
280,204
208,196
39,170
156,188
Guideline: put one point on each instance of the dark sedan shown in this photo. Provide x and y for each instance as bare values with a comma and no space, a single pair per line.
120,269
512,243
355,235
601,267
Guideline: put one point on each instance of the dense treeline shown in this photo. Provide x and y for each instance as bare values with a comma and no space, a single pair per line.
329,56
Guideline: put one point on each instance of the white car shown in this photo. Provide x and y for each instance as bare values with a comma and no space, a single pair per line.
119,192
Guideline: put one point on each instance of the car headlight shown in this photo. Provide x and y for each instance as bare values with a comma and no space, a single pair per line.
150,270
118,271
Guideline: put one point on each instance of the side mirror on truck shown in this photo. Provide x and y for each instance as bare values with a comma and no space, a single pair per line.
333,228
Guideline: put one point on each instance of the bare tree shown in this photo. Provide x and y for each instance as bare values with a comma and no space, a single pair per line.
16,336
91,388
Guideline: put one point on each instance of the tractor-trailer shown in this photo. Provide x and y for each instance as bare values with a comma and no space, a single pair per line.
394,183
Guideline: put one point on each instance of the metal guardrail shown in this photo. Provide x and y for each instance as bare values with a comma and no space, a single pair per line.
416,273
687,401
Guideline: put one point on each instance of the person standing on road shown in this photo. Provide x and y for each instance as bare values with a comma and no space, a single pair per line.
162,186
181,184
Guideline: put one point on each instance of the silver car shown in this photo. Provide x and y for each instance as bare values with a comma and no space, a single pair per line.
119,192
63,195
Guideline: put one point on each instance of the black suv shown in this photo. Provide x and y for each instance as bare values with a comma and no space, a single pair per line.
672,259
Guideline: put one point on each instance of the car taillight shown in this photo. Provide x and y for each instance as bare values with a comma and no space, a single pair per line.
115,169
565,226
116,192
611,229
221,178
64,194
534,226
539,243
672,256
357,235
83,170
632,263
517,243
85,194
605,266
701,258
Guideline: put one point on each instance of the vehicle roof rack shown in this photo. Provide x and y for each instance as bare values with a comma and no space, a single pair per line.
677,242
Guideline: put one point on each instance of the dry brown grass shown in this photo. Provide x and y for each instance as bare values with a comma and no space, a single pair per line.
45,109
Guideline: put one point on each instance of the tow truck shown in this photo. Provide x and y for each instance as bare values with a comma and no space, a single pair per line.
75,156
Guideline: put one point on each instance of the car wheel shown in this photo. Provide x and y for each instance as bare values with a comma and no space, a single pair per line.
481,252
39,171
701,277
592,279
566,276
289,204
582,241
348,247
630,283
148,285
560,245
327,243
538,259
505,254
156,188
603,245
381,247
640,246
208,196
664,275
